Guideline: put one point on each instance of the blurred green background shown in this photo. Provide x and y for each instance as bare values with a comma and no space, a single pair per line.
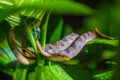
97,61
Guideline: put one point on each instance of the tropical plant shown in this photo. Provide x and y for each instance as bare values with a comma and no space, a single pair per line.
42,20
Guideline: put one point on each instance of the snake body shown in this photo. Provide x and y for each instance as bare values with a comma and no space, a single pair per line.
66,48
17,52
62,50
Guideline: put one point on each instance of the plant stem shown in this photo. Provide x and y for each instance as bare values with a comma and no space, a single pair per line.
44,31
40,67
20,72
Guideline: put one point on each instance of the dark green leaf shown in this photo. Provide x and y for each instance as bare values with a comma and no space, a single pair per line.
56,34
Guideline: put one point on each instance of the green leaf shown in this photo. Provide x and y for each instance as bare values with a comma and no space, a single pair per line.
29,7
71,62
105,41
59,7
20,72
56,34
44,30
67,30
6,56
4,28
77,72
6,8
31,76
55,72
104,76
107,54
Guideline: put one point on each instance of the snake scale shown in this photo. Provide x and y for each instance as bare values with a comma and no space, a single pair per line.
62,50
66,48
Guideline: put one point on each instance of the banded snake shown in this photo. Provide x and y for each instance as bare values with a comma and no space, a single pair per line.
62,50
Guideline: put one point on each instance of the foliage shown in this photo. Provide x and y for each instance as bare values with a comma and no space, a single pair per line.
95,62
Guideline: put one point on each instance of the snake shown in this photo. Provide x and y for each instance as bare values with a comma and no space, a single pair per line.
66,48
24,56
62,50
